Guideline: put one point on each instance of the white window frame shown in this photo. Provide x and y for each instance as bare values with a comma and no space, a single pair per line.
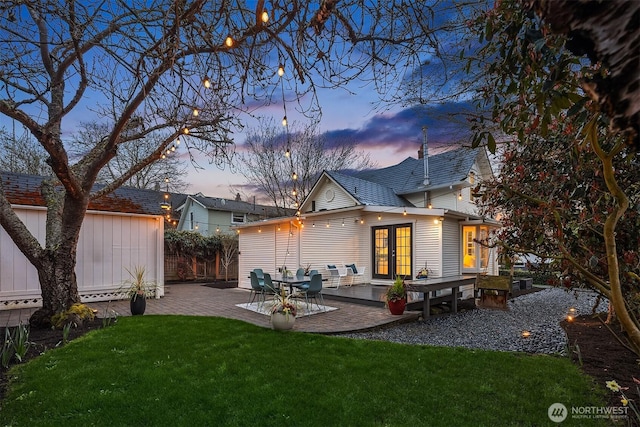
235,215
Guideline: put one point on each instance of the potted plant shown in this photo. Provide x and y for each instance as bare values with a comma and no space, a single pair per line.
396,296
137,288
283,311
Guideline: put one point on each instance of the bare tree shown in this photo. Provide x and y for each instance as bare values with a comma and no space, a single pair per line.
22,154
228,251
168,173
284,166
147,67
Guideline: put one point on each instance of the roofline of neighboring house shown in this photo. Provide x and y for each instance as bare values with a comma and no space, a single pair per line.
91,211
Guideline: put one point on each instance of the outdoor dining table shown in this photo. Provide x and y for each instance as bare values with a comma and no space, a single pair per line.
292,281
427,286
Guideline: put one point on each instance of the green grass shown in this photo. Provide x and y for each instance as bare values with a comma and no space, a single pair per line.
199,371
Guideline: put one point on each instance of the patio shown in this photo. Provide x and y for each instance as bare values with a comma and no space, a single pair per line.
197,300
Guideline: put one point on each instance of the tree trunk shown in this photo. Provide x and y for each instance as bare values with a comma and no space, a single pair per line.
58,285
55,262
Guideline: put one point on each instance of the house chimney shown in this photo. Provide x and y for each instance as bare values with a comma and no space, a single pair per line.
425,153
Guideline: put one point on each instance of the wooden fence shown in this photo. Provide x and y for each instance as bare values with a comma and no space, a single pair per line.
179,268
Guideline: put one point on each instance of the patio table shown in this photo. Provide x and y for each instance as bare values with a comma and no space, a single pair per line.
426,286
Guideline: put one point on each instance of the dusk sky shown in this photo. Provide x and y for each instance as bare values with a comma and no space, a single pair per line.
389,135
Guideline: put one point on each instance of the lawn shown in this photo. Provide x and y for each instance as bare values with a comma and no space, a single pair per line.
197,371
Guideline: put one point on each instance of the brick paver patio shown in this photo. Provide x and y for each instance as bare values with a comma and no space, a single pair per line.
197,300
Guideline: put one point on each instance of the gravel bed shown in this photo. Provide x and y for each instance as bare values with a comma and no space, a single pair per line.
539,313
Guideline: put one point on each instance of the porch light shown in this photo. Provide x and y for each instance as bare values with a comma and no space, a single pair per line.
460,195
361,221
343,222
379,217
404,212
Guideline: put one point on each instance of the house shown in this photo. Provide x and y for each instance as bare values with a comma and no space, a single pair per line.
392,221
121,230
211,215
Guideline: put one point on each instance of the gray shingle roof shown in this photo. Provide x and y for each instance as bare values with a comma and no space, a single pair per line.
239,206
368,192
407,176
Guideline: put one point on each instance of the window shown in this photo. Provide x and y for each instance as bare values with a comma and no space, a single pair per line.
469,247
237,218
474,255
191,221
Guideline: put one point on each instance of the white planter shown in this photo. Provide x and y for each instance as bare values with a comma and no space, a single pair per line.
281,321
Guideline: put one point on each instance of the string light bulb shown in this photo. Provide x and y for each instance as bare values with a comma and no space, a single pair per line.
460,195
173,148
284,121
195,112
361,220
280,70
206,82
379,217
294,176
177,141
404,212
264,16
228,41
287,153
185,131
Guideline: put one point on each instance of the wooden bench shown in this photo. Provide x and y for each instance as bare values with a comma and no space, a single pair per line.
492,291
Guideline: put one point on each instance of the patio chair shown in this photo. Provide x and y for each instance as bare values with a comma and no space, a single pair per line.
355,273
313,290
256,289
300,273
260,275
312,273
337,273
269,287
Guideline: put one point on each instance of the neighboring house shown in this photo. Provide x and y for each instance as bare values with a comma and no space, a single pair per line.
392,221
212,215
121,230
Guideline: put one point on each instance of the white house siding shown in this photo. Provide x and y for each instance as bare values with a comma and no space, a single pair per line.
107,244
451,249
256,250
337,244
340,198
427,245
286,253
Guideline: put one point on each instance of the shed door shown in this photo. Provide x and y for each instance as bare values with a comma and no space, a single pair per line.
392,253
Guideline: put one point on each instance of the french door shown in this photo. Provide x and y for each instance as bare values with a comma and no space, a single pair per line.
392,253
